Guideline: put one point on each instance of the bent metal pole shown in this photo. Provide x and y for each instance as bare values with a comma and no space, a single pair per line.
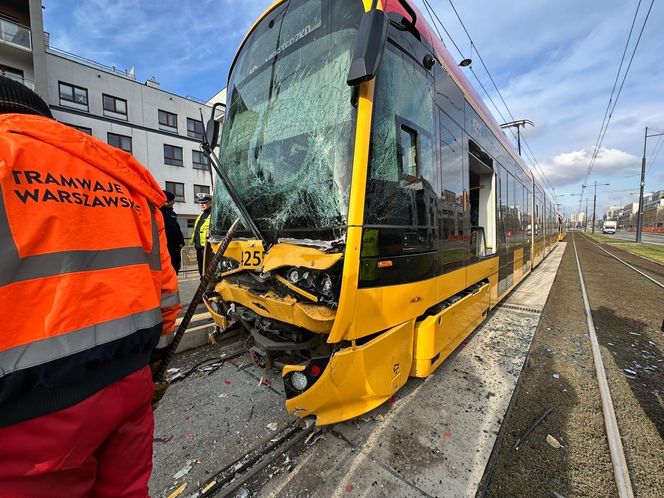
160,376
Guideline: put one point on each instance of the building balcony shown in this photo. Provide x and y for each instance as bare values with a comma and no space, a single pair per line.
14,34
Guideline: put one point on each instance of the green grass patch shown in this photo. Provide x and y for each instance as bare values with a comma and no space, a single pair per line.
650,251
606,239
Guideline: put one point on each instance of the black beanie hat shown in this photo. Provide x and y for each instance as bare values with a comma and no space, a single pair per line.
170,196
18,98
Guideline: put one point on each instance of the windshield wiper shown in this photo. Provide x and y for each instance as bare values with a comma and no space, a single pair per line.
221,171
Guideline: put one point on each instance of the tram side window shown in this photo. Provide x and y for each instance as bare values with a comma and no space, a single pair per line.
516,201
401,183
455,232
504,208
407,149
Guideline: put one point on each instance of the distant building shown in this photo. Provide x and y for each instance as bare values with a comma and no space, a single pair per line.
628,217
653,211
577,220
613,213
160,129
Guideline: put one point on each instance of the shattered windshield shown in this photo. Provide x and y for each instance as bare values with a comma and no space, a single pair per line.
288,134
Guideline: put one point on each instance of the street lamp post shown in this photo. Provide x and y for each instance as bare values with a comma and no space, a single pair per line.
639,219
594,203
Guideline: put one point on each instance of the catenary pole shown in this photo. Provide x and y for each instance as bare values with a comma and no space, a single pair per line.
639,219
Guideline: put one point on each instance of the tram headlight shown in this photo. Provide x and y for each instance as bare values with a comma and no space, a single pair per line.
228,264
324,285
294,275
299,381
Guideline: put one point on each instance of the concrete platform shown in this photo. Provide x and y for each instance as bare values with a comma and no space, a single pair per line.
436,438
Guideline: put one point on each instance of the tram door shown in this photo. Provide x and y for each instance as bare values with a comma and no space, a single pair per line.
482,201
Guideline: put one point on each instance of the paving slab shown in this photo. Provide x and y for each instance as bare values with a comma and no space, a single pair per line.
437,436
325,463
534,290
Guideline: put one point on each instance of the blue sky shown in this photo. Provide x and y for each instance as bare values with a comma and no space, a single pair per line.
554,63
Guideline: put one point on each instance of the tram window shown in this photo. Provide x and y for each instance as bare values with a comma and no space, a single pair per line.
504,206
408,152
455,233
515,204
401,185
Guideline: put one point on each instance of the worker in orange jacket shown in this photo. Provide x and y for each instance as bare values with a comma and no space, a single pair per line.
88,299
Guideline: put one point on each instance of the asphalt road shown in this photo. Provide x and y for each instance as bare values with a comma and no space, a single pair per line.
648,238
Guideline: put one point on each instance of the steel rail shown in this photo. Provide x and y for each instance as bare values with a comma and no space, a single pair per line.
232,476
656,282
620,470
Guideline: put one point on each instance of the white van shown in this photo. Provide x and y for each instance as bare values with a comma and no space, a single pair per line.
609,226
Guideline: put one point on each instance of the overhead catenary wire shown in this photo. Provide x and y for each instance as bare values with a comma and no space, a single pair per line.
656,151
536,167
611,106
600,135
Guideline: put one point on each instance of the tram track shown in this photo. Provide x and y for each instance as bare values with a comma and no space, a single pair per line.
620,470
626,311
248,466
626,434
656,282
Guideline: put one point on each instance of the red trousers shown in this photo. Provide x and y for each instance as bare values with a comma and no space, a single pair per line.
101,446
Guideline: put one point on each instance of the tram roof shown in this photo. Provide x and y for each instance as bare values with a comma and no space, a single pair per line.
450,64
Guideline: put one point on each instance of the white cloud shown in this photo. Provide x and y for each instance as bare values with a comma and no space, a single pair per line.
571,167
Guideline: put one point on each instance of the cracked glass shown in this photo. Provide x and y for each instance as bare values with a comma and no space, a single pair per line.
287,141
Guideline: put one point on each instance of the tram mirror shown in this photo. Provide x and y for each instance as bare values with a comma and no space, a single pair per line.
369,47
214,125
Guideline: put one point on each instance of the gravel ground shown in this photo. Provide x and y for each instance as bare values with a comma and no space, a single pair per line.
627,311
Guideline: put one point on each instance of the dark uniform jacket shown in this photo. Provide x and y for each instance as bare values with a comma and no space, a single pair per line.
173,236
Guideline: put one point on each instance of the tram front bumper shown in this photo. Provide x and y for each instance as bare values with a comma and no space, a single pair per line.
357,379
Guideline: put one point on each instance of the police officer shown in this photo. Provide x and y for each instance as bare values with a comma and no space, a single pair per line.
202,229
173,233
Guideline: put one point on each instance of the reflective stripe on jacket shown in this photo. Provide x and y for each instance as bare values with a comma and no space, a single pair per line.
87,291
203,230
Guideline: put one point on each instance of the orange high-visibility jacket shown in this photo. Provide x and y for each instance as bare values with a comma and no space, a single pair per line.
87,291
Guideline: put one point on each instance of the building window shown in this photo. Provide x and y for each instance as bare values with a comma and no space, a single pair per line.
195,128
173,155
176,189
73,96
168,120
201,189
12,73
114,107
199,160
120,141
80,128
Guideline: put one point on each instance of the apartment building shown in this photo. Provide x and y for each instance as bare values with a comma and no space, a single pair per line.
160,129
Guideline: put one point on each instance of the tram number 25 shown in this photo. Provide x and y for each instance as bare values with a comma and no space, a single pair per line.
252,258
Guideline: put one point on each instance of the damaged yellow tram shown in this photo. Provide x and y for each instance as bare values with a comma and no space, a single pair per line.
386,213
